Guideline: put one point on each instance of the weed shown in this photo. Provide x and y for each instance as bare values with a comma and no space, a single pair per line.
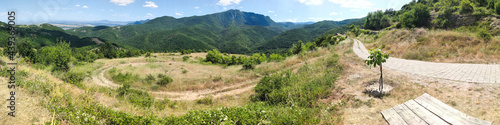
207,100
164,80
217,78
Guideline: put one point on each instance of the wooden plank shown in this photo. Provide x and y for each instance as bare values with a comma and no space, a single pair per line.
408,115
441,112
446,112
392,118
424,114
474,120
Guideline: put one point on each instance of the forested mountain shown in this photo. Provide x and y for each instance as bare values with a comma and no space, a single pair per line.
43,35
306,33
232,31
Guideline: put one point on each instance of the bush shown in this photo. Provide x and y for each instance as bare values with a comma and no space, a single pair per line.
466,7
248,66
207,100
497,8
164,80
377,20
185,58
74,78
297,48
483,33
417,17
140,98
127,77
149,79
184,71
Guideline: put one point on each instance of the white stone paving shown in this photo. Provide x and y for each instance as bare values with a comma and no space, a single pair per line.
477,73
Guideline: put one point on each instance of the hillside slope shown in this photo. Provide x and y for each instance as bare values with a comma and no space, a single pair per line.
306,33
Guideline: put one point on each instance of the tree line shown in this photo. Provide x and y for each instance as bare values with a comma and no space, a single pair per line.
62,54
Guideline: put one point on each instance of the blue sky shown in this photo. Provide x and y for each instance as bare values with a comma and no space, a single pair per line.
37,11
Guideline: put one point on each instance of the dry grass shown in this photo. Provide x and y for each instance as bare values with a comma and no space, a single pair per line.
477,100
436,46
197,77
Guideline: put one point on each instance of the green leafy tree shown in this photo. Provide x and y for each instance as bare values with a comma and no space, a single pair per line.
25,49
497,8
377,57
466,7
297,48
108,50
377,20
62,56
417,17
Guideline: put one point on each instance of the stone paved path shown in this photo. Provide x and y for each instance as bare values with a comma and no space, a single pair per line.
477,73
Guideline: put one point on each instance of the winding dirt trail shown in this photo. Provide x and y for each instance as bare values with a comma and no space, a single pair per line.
235,89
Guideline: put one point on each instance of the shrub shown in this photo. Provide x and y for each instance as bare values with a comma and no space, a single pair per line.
185,58
140,98
127,77
483,33
497,8
149,78
275,57
466,7
74,78
248,65
297,48
184,71
164,80
417,17
154,87
206,100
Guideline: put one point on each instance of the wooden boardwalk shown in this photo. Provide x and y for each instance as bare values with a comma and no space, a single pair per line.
426,110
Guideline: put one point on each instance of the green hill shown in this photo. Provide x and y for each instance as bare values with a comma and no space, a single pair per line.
306,33
43,35
232,31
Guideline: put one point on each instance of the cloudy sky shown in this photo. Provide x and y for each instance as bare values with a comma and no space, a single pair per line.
37,11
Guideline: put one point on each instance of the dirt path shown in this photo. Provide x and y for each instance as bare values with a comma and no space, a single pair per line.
476,73
235,89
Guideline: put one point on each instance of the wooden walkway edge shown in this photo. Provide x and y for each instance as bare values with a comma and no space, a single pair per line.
427,110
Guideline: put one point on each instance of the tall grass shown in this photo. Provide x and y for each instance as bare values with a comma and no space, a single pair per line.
438,45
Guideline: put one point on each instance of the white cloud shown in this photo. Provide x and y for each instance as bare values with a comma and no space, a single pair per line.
228,2
197,7
311,2
224,8
270,11
363,4
319,18
77,5
149,15
111,10
121,2
178,14
291,20
290,11
333,13
357,10
150,4
85,7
